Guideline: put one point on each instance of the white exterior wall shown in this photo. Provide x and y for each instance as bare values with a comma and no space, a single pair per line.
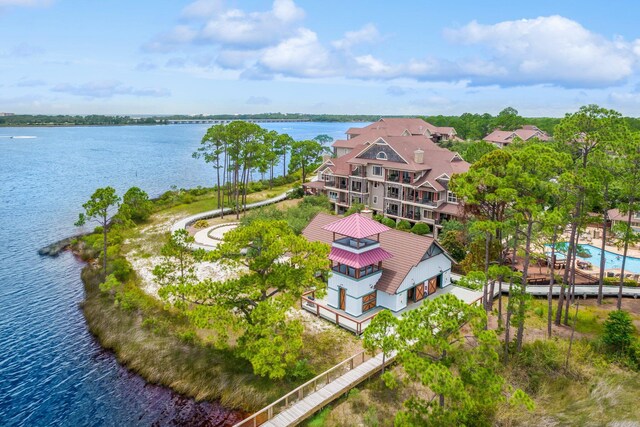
379,193
355,287
333,297
342,151
394,302
427,269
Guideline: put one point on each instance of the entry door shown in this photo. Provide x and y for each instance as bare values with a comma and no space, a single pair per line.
419,292
343,298
433,285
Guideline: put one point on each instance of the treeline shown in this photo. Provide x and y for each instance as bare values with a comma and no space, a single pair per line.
90,120
283,116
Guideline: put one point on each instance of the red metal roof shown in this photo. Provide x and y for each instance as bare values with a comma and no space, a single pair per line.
359,260
356,226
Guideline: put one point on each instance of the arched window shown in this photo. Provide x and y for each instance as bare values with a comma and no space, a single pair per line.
381,155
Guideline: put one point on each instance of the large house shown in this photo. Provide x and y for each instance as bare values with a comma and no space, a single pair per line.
502,138
615,216
374,267
396,169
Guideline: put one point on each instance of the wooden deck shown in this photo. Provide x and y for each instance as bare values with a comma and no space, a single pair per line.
312,396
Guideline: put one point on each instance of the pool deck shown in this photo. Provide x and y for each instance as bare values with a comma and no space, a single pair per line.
632,251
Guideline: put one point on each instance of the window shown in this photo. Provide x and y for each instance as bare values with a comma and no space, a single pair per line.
377,170
427,214
333,195
369,301
375,200
381,156
451,198
375,185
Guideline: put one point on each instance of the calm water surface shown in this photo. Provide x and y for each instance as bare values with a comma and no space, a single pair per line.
52,371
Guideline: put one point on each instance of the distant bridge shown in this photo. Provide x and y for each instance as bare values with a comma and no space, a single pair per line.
220,121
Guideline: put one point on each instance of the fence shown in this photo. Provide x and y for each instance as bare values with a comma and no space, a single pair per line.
340,319
310,387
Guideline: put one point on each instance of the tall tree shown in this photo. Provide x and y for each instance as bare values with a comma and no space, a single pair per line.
212,150
275,267
281,147
99,208
461,373
508,119
304,154
532,175
629,149
590,132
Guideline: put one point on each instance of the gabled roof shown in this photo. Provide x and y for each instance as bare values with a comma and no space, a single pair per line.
408,250
357,226
525,133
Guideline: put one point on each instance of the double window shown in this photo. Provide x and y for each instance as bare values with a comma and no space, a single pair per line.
376,170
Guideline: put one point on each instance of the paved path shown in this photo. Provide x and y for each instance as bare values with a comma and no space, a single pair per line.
306,407
185,222
212,236
581,290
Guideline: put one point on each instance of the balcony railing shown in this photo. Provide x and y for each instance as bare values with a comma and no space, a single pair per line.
393,177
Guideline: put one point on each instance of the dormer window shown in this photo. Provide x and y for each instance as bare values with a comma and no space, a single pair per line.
381,155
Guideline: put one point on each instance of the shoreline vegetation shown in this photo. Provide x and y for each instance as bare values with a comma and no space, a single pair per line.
160,343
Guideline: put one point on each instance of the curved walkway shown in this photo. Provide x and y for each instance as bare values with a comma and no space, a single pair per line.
185,222
212,236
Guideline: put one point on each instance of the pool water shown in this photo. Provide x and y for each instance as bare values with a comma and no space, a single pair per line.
612,260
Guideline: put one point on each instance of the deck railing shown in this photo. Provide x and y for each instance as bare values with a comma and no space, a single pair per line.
267,413
356,326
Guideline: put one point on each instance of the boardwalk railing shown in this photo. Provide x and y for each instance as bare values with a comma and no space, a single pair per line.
304,390
356,326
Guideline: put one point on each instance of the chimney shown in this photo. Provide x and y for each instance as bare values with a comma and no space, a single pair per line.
367,212
418,156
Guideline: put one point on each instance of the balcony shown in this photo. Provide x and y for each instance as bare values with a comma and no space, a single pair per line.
406,178
359,172
411,214
428,202
393,176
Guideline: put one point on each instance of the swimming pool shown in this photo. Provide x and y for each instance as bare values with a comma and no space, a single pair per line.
611,260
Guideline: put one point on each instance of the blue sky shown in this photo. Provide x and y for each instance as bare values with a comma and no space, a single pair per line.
544,58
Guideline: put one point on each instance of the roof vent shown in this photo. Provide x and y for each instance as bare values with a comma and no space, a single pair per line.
418,156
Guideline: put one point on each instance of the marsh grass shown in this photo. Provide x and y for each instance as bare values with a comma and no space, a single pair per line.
161,346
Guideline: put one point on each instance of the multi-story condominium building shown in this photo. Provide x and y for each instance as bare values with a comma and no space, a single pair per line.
502,138
396,170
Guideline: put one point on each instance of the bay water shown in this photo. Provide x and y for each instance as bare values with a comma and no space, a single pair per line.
52,370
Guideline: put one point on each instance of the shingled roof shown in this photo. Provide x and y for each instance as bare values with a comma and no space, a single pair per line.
357,226
407,249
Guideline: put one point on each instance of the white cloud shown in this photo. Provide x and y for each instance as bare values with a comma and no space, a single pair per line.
107,89
301,55
367,34
549,49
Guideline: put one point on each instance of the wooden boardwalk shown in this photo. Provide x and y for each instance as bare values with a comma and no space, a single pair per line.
296,406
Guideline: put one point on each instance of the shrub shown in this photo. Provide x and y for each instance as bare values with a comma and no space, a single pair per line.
404,225
619,331
389,222
356,207
420,228
121,269
297,193
378,217
201,223
615,281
